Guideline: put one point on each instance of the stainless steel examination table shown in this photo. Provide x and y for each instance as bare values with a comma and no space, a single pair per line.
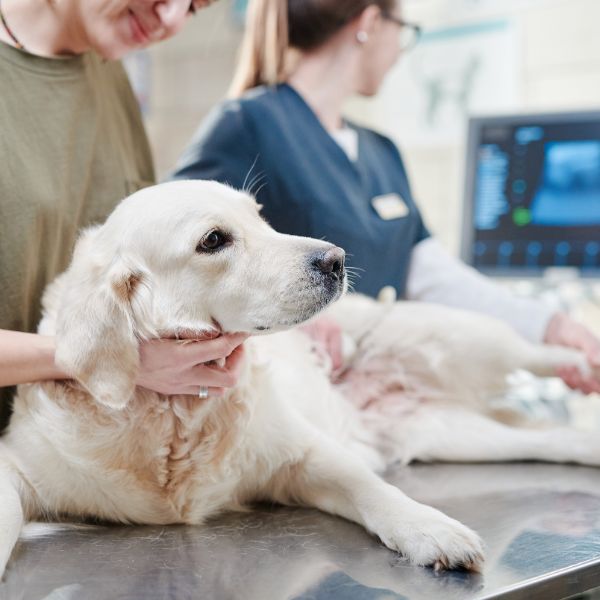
540,523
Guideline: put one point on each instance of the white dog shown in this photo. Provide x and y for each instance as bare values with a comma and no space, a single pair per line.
192,256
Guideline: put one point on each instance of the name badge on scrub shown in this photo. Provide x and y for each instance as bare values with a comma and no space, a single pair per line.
390,206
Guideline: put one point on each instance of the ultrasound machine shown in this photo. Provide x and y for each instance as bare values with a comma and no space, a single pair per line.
532,198
532,220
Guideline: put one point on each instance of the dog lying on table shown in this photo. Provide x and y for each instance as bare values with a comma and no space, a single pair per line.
195,256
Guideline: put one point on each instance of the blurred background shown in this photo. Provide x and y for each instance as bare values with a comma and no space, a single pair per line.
475,57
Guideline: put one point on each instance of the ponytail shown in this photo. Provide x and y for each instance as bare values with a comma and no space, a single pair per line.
264,47
273,27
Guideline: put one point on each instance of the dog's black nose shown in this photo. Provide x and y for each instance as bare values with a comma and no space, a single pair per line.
331,262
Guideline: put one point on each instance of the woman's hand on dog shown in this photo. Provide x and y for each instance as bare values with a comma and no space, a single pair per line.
326,333
564,331
172,366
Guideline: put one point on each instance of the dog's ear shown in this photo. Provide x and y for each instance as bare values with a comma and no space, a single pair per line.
96,340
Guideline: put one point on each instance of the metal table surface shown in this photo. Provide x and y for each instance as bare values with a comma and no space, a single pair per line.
540,523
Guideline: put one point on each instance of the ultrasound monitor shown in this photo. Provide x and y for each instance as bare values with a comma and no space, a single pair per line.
532,197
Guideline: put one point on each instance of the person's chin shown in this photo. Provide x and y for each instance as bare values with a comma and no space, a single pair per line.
112,53
115,42
114,49
369,91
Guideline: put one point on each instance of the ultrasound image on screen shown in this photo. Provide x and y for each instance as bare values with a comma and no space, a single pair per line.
569,193
537,196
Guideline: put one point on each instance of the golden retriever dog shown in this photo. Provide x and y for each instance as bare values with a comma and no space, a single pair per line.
195,256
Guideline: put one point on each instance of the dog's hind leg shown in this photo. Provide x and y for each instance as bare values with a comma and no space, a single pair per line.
459,435
543,360
335,481
11,510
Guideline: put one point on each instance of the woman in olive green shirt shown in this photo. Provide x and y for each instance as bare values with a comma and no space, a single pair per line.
73,145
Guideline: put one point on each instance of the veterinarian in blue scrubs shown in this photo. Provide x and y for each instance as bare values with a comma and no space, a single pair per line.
72,146
282,136
271,142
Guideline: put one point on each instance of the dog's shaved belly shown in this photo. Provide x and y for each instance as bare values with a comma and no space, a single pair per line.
379,385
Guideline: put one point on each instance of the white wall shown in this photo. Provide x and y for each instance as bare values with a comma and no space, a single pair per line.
190,73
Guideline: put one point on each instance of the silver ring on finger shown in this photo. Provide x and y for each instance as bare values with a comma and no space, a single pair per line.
203,392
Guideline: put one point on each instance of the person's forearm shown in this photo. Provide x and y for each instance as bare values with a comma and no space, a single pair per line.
27,357
436,276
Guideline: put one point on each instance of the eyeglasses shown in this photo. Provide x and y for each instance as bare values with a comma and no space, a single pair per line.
409,32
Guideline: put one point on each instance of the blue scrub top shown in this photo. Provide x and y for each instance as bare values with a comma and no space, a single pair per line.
271,141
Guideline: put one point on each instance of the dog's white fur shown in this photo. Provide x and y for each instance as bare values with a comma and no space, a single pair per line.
98,446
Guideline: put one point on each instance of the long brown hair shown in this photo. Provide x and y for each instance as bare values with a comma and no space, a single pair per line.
273,27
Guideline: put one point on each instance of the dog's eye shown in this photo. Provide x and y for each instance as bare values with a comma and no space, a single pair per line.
212,241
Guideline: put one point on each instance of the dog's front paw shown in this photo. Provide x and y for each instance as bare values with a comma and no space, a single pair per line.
434,539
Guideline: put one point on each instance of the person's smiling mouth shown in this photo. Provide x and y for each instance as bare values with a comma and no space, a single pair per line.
138,31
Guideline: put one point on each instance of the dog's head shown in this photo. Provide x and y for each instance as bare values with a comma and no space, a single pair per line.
176,258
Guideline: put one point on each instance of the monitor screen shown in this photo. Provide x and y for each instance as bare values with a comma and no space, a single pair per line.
533,194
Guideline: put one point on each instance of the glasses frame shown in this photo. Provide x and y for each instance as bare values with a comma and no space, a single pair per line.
402,24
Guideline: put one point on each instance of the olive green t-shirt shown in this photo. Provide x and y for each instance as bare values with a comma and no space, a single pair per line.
72,144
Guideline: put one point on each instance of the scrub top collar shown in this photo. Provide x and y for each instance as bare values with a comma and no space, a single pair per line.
325,135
